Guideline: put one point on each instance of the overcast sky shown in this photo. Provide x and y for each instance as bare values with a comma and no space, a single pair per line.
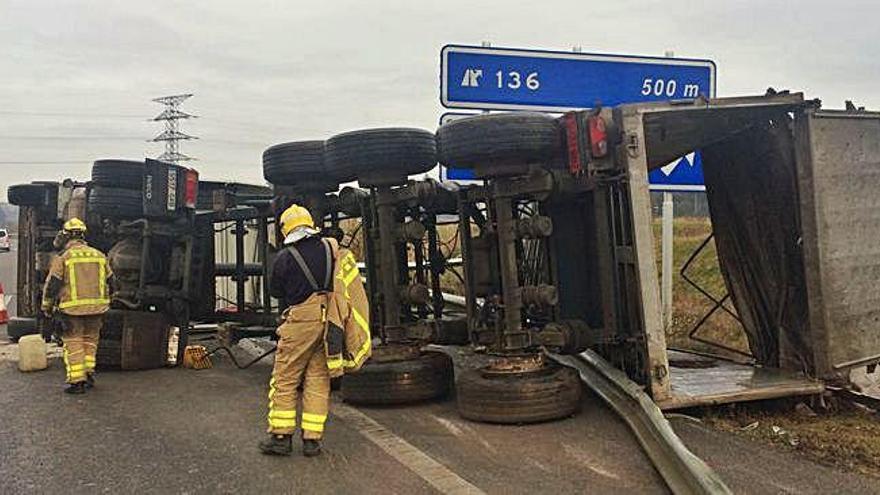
76,77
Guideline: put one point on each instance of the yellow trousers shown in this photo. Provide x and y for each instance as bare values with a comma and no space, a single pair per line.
80,335
300,360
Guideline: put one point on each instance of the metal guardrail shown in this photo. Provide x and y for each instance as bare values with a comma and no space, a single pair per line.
683,472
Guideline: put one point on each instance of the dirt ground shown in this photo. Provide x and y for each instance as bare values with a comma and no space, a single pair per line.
834,433
846,437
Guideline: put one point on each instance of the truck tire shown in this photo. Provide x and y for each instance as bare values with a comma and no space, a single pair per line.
499,139
377,156
18,327
400,382
295,163
125,174
115,202
551,393
29,194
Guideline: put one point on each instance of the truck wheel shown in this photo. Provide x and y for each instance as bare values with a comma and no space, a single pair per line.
400,382
500,139
381,156
115,202
296,164
551,393
28,194
126,174
19,327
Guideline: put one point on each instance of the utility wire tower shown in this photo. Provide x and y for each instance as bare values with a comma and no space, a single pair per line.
172,115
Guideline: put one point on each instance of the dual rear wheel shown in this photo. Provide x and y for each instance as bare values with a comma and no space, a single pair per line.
549,393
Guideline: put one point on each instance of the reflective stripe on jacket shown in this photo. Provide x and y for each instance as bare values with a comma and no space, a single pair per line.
347,340
84,273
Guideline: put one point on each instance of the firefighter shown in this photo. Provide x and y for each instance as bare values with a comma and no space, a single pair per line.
324,330
301,281
78,287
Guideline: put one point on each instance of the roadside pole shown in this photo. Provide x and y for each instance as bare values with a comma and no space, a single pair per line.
666,253
666,248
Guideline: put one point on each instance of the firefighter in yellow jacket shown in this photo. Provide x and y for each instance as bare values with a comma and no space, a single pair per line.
323,330
78,287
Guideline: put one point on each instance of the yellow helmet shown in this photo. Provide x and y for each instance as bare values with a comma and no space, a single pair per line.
74,225
296,216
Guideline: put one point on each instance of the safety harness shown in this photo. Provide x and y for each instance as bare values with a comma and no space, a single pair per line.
328,272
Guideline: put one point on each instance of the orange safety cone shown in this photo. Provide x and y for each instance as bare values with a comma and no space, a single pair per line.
4,314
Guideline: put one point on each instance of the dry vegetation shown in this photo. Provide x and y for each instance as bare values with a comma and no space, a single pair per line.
689,306
847,439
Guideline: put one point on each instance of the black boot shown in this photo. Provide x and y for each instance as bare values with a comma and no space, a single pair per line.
90,380
276,445
311,448
76,388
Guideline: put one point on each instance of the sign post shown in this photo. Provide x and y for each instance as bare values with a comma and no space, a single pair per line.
667,248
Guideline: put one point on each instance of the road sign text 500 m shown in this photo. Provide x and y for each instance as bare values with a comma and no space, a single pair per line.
667,88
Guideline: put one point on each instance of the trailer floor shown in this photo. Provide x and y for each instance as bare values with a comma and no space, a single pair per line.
183,431
702,381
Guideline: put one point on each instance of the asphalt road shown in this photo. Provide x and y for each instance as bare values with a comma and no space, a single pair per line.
183,431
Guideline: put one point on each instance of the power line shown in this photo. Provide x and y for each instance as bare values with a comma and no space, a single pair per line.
86,162
64,114
43,138
237,124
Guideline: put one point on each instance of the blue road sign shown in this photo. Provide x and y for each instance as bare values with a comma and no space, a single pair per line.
456,174
511,79
684,174
488,78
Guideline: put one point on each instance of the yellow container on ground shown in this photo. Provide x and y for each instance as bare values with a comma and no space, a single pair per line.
32,353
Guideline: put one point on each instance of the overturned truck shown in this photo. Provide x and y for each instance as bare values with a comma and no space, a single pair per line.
141,214
164,232
560,254
556,245
558,250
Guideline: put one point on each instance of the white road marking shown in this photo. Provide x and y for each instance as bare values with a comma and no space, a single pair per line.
463,430
420,463
449,425
588,461
539,465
